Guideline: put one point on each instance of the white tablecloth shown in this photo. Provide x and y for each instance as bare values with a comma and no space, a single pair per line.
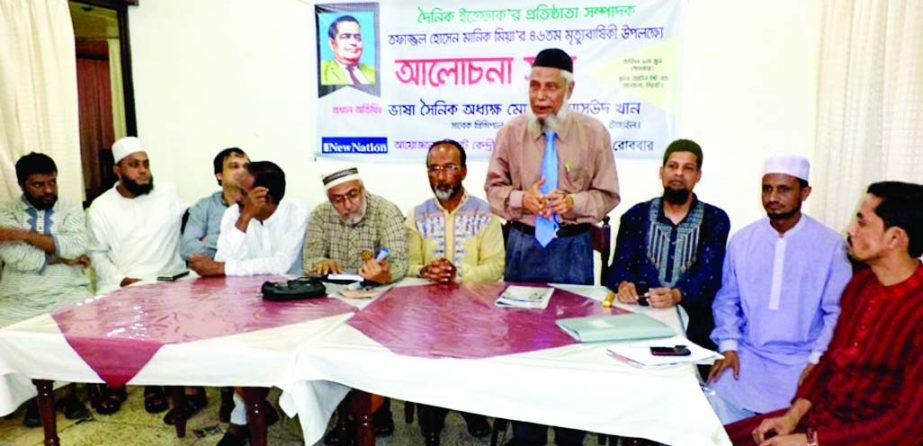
316,362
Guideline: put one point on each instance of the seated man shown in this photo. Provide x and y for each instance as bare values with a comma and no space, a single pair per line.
779,300
43,242
866,388
262,234
456,226
200,235
134,233
347,233
673,244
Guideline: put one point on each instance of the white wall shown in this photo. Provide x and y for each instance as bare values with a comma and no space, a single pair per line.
215,73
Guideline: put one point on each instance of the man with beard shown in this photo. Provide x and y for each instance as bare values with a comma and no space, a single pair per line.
349,231
134,232
866,388
134,227
200,236
552,175
779,299
673,245
452,238
348,234
42,248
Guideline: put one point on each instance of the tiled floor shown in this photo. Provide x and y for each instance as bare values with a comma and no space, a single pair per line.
133,426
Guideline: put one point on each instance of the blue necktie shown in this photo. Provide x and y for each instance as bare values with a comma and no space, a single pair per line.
545,228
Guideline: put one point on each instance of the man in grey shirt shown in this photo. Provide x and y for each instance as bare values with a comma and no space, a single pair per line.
201,233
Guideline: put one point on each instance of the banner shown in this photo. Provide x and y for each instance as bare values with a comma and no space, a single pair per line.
395,76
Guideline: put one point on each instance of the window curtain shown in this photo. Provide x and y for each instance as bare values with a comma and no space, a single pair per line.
38,92
870,102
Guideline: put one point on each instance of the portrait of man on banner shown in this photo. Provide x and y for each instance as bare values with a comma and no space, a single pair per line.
347,47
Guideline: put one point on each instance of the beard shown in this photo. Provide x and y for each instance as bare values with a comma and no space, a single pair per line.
550,122
354,218
446,194
42,202
137,189
784,215
676,196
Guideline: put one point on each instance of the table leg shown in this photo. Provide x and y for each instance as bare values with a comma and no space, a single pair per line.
255,398
46,410
178,397
362,408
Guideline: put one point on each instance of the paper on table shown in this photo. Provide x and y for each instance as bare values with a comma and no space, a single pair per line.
517,296
345,277
638,353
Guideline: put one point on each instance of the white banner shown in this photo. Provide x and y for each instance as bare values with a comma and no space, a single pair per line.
395,76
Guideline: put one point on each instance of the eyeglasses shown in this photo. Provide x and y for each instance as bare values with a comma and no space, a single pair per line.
448,168
352,195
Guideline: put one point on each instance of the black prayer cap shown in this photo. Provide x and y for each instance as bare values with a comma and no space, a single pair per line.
554,58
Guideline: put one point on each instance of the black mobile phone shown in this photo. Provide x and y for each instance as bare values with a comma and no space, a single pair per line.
642,288
676,350
171,277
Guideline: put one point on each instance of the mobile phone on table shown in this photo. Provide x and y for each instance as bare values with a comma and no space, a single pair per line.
169,277
641,287
676,350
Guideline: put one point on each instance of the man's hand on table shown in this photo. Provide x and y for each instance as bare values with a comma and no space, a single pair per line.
324,267
204,266
664,297
439,270
128,281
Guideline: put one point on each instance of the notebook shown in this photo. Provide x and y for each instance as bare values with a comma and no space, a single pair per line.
615,327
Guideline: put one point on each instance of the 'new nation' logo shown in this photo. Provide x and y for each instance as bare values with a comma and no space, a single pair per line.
359,145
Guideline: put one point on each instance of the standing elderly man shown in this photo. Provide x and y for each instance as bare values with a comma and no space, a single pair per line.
453,237
779,299
866,388
134,231
551,174
43,243
349,233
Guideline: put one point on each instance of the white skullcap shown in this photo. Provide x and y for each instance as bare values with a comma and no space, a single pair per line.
124,147
792,165
340,176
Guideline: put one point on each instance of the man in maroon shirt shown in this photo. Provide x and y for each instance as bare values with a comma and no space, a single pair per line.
868,388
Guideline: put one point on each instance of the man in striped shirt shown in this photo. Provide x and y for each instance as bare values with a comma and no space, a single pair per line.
867,388
43,246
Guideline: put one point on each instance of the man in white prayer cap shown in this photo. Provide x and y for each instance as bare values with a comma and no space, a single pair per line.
779,300
134,234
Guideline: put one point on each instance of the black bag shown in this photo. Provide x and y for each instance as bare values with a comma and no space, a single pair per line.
300,288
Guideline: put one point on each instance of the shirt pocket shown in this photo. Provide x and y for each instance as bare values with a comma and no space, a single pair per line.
577,179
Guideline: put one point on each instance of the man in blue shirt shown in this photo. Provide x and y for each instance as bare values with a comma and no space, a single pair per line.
674,245
201,233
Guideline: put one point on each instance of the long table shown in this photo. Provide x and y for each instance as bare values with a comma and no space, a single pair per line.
316,363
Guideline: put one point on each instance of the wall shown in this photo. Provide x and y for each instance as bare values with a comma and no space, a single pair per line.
216,73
